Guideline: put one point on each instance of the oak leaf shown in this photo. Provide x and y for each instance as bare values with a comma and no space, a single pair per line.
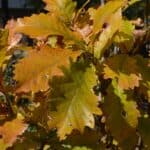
103,14
128,104
118,67
43,25
34,71
116,123
106,36
124,37
77,102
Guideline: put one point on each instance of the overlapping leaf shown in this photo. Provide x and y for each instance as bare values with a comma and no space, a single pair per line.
43,25
103,14
62,8
34,71
90,138
128,105
116,123
77,102
10,130
118,67
124,37
106,37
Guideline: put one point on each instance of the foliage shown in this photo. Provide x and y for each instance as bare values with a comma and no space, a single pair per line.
78,81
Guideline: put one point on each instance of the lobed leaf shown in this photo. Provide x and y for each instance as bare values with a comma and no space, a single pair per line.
118,67
77,102
103,14
44,25
124,37
128,104
116,123
106,36
34,71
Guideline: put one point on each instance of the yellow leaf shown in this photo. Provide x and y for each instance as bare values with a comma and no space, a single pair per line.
77,102
3,45
103,14
44,25
62,8
34,71
124,37
106,37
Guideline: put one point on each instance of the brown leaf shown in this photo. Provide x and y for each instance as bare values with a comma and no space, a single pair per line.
124,69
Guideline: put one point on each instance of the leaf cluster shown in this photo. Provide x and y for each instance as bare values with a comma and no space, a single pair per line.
73,78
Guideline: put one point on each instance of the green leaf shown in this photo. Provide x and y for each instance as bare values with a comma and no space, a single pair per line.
116,123
117,67
144,130
3,44
124,37
77,102
62,8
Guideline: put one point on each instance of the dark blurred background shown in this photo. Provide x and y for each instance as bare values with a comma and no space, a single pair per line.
18,8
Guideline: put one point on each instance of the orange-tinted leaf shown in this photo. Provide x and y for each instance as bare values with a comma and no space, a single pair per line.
11,129
119,67
44,25
34,71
